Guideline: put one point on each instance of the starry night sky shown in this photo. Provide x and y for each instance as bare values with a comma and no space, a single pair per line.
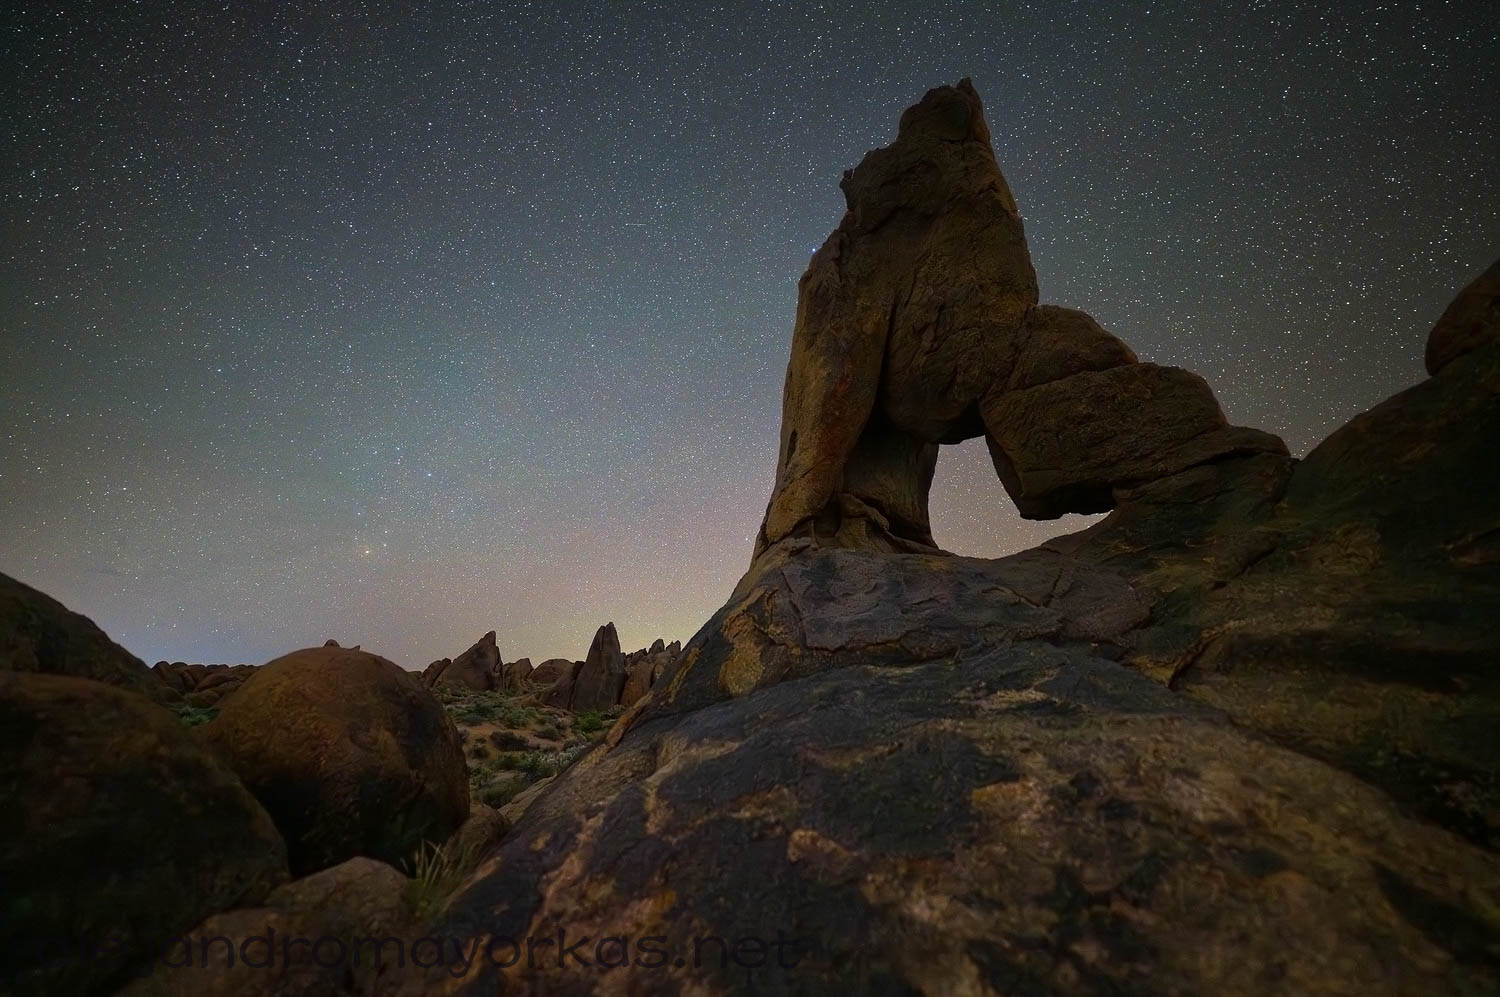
399,327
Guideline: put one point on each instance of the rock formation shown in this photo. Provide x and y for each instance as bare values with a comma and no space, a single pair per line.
918,324
478,668
203,685
603,674
606,678
1471,321
40,634
513,674
349,754
117,830
360,898
1235,738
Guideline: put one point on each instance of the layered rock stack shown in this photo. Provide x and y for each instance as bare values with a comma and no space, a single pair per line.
918,325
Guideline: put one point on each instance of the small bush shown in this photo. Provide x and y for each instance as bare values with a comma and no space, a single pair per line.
435,873
589,722
195,716
499,795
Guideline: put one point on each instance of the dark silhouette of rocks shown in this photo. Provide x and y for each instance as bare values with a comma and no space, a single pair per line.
348,753
918,324
204,685
360,898
1470,322
40,634
117,829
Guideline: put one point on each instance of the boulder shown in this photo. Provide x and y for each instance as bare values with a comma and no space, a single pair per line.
117,830
550,671
513,675
40,634
352,921
602,677
478,668
1065,446
478,835
637,680
349,754
1472,320
554,678
434,671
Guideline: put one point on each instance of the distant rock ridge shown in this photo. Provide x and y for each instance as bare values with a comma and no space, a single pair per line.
202,685
607,677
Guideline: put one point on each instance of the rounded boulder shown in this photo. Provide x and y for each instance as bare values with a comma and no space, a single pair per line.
117,831
349,754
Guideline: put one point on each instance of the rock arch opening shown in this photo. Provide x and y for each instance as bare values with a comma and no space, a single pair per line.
972,515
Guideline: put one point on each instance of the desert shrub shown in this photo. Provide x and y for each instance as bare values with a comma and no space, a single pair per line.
589,722
435,871
195,716
507,740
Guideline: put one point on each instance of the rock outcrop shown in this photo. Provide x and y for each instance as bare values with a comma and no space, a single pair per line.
1471,321
513,674
349,754
1235,738
602,677
325,934
117,831
607,678
644,667
918,325
202,685
40,634
478,668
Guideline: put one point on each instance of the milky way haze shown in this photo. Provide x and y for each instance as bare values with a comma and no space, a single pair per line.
397,328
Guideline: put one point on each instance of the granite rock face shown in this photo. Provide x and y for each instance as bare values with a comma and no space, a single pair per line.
349,754
1235,738
117,831
40,634
918,325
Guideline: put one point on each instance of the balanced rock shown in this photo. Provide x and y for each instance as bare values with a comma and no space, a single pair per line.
117,831
40,634
602,677
349,754
916,320
1470,321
